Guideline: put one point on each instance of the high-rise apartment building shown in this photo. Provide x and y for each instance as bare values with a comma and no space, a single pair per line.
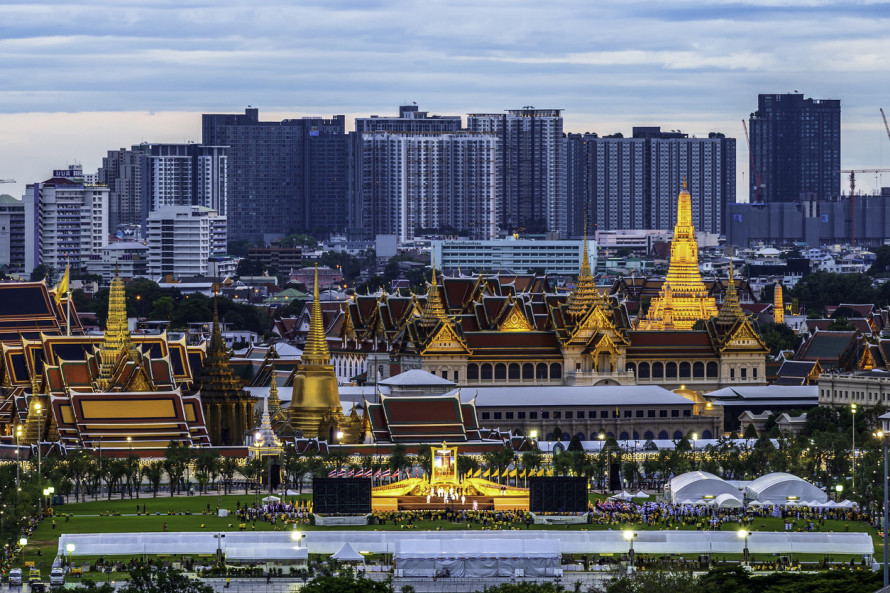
631,183
67,220
182,239
416,180
410,119
795,149
283,177
531,185
12,234
150,176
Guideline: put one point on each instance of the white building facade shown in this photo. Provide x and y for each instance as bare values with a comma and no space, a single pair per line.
183,239
518,255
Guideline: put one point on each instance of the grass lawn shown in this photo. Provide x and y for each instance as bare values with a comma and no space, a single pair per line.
87,518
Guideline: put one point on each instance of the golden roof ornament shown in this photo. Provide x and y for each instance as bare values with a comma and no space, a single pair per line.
731,311
316,348
433,311
778,304
117,332
585,294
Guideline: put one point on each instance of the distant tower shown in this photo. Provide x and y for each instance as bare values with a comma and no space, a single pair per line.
117,334
683,299
433,311
778,305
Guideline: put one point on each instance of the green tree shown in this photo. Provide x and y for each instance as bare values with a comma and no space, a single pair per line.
227,469
146,578
345,583
778,337
176,460
819,289
398,458
525,587
162,309
153,473
841,324
43,271
206,467
575,444
92,587
655,581
249,267
881,266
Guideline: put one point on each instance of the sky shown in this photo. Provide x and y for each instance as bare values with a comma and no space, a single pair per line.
80,78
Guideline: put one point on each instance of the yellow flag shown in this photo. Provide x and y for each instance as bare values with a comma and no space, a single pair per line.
540,473
505,473
524,473
62,287
513,473
478,472
550,473
487,473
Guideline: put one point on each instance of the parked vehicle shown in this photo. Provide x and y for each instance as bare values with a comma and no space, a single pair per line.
57,577
15,576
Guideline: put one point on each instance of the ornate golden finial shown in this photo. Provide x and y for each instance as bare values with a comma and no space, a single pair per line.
684,183
117,332
731,311
316,350
778,304
433,311
585,294
274,400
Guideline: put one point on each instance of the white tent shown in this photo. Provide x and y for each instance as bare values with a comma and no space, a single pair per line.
641,494
847,504
696,485
782,488
347,553
477,558
727,501
271,499
623,495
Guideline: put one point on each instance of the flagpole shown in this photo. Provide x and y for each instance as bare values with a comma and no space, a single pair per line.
68,314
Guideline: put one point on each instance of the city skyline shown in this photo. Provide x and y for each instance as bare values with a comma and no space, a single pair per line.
109,76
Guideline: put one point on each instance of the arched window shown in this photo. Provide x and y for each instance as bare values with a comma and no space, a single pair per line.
623,436
486,372
712,370
594,436
648,435
670,370
555,371
513,372
706,434
610,434
631,367
685,370
663,435
472,372
500,371
644,370
698,370
657,370
678,435
528,371
580,436
549,436
636,436
566,436
541,371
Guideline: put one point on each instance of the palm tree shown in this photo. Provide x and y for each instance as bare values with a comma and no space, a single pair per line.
227,469
206,465
254,468
154,472
133,473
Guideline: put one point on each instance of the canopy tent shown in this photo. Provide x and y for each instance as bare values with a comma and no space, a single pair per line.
782,488
641,494
271,499
477,558
727,501
623,495
697,485
347,553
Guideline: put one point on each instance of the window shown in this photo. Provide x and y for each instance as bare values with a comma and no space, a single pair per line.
628,413
500,371
650,413
671,370
744,373
497,415
444,374
604,413
533,415
591,414
485,415
732,373
545,415
557,415
712,370
579,414
754,373
508,415
486,372
473,372
675,413
639,414
569,415
456,376
520,415
687,413
662,413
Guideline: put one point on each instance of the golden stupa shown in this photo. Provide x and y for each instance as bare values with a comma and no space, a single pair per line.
778,305
683,298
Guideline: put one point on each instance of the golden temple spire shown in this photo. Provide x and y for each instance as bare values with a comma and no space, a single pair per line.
433,311
778,304
731,311
117,332
688,296
585,294
316,350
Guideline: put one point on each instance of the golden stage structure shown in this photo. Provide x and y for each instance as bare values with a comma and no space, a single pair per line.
445,489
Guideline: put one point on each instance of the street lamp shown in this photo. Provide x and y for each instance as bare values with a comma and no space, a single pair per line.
853,410
37,408
130,443
23,542
18,435
70,549
743,534
533,435
839,488
881,434
694,438
630,535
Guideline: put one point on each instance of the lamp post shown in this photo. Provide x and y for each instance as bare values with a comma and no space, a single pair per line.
18,436
601,437
881,434
630,535
37,408
130,443
743,534
839,488
23,542
694,438
853,410
70,549
219,539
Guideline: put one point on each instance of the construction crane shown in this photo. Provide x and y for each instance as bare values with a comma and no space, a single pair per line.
7,180
758,182
852,173
886,127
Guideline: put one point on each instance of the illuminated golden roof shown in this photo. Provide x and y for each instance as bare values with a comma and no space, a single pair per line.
683,299
433,311
117,333
316,350
778,305
731,311
585,295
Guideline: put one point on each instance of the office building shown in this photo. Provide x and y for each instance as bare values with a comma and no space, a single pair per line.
12,235
631,183
283,177
795,148
182,239
149,176
531,171
127,259
515,255
415,181
67,220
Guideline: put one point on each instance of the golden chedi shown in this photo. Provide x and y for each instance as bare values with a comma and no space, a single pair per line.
683,298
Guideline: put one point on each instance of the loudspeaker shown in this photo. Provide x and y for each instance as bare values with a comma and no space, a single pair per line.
614,476
341,496
559,494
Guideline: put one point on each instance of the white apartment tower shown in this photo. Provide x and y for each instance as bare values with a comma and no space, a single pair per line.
66,219
428,180
182,239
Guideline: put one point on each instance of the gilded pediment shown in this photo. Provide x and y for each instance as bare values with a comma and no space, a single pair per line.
515,321
445,340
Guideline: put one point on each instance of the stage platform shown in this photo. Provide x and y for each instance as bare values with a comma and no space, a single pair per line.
419,503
